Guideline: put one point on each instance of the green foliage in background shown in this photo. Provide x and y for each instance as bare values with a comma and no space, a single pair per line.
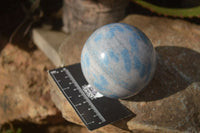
19,130
174,12
9,128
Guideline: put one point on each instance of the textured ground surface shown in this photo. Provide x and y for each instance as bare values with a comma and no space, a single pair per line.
25,92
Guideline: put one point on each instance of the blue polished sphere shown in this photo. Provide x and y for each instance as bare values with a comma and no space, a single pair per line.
118,60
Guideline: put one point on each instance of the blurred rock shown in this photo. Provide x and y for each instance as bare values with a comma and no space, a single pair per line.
73,47
64,106
24,90
49,42
174,40
170,103
178,112
167,32
70,128
88,15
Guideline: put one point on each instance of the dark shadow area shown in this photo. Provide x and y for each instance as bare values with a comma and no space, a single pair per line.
25,127
3,41
29,127
134,8
10,16
17,21
54,124
177,67
52,16
122,124
175,3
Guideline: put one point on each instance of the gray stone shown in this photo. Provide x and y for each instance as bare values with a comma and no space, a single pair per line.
178,112
79,15
49,42
70,50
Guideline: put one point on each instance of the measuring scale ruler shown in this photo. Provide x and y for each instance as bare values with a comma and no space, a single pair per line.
94,109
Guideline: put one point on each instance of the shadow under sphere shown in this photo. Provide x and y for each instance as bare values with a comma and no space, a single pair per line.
177,68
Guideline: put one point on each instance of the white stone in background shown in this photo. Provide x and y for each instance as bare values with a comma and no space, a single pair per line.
49,42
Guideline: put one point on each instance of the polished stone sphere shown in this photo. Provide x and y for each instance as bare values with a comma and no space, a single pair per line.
118,60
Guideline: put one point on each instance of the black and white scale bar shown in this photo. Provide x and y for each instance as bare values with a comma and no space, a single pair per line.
94,112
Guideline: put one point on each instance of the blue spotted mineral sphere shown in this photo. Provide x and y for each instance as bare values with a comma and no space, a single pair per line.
118,60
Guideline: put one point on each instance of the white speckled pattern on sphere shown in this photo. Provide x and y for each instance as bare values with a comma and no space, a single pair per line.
118,60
